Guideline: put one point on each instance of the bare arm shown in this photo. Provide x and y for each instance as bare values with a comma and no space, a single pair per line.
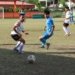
53,27
25,32
45,28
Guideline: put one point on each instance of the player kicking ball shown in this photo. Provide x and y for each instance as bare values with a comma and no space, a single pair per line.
16,33
49,28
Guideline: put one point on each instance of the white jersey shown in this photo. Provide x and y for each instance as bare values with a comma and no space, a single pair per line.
67,17
19,27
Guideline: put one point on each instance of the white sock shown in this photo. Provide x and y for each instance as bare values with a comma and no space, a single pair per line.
20,47
18,43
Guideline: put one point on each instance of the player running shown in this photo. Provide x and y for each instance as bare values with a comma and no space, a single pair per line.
67,21
16,33
49,28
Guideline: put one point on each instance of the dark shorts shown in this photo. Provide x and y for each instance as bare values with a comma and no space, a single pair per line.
16,37
66,24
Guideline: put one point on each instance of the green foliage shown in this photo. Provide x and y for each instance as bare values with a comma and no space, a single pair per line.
36,2
57,13
62,1
10,9
33,1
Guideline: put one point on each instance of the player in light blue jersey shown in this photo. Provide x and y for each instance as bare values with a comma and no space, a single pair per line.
49,28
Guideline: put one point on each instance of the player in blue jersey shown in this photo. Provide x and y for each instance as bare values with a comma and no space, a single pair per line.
49,28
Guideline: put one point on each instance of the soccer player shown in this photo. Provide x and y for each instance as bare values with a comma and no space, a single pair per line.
16,33
49,28
67,21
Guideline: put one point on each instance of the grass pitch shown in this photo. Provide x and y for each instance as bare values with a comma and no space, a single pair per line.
58,60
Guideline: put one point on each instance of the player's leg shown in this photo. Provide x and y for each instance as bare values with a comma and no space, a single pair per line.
21,46
43,41
68,30
20,42
65,25
65,30
16,37
44,38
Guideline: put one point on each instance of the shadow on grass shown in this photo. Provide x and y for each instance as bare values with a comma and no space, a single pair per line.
62,52
57,48
26,44
12,63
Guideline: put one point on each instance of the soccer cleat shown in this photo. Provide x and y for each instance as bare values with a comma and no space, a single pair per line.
48,44
16,50
42,47
20,52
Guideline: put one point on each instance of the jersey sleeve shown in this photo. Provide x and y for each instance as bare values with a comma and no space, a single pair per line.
52,22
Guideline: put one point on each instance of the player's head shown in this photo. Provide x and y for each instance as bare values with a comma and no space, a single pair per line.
67,8
47,12
22,16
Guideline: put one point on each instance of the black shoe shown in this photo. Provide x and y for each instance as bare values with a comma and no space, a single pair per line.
20,52
42,47
16,50
48,45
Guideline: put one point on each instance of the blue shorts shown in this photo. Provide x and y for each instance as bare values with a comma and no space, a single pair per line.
46,35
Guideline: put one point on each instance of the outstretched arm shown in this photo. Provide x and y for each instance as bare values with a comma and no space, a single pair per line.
45,28
25,32
53,27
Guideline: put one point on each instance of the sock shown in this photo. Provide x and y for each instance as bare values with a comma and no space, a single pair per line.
21,47
18,43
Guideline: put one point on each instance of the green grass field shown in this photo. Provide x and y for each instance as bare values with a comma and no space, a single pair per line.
58,60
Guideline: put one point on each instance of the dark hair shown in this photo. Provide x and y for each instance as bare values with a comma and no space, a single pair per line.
22,13
67,7
47,11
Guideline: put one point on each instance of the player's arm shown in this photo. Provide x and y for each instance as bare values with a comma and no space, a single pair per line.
45,28
53,25
68,17
25,32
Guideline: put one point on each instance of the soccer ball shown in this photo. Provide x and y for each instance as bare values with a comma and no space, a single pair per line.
31,59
